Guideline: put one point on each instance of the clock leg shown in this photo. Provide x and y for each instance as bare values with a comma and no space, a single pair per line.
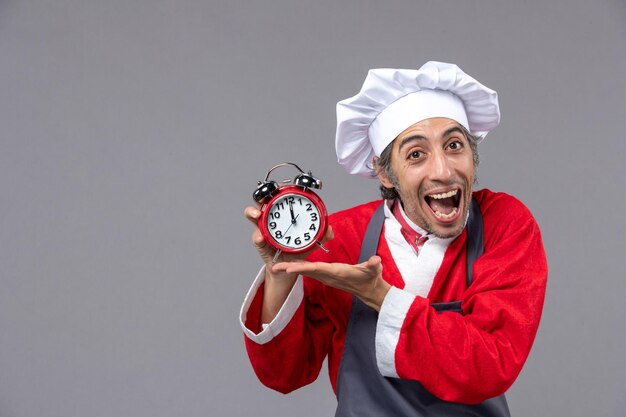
322,246
278,252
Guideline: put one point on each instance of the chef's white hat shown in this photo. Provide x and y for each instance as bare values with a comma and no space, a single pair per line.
391,100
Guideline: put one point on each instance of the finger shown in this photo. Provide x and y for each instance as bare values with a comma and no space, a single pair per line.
313,269
373,262
282,266
264,250
253,214
329,235
258,240
294,267
374,265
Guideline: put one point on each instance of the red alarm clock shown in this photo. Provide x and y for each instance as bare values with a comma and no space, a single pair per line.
293,218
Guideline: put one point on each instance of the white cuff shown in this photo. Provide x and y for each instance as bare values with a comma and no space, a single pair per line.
283,317
390,319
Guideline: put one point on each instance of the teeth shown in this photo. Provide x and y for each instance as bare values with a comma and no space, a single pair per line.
446,216
443,195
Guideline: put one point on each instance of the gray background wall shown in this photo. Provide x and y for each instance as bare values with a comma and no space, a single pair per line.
133,134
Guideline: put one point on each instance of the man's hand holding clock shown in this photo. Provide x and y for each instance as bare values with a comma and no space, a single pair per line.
278,283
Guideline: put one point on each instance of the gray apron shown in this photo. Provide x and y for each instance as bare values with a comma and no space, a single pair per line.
361,390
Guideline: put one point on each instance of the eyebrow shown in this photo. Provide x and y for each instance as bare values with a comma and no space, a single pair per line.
410,139
453,129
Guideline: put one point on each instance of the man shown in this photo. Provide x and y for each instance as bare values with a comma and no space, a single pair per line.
427,303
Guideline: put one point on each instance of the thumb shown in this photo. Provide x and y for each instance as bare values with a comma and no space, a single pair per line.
374,264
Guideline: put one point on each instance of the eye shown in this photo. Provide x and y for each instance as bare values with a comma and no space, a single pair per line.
455,145
415,155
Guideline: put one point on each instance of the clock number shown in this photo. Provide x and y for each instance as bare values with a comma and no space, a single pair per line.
314,216
272,225
278,234
308,207
300,200
312,227
275,216
307,236
281,206
288,239
297,241
291,199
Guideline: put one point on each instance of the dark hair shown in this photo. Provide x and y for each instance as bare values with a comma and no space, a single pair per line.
384,165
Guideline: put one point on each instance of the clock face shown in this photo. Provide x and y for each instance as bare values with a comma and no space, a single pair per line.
294,221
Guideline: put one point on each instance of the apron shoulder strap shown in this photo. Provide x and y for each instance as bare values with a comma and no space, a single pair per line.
475,244
372,234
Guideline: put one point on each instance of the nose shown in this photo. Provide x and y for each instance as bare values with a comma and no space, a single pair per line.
440,167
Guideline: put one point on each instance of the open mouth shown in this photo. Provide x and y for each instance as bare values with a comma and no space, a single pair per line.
445,205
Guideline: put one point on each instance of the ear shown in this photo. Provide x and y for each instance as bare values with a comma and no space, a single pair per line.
380,173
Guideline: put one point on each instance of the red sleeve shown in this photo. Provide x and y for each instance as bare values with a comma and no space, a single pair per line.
293,358
475,356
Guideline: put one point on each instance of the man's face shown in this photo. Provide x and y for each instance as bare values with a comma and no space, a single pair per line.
433,166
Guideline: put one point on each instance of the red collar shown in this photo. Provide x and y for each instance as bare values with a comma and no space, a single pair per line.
412,237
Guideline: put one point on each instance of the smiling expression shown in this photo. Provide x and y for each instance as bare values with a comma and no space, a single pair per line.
433,172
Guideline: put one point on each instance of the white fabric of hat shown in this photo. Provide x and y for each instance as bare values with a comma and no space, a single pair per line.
391,100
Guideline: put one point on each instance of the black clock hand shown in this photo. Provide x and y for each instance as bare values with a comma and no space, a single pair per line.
293,219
